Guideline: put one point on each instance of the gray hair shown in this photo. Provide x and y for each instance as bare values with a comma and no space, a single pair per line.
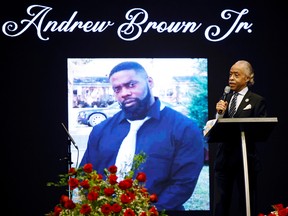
248,70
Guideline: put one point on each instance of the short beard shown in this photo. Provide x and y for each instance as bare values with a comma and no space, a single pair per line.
139,110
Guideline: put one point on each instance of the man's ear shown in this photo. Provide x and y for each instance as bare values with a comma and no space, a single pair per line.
150,82
247,80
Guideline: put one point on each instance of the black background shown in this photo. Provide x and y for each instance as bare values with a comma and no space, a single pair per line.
34,85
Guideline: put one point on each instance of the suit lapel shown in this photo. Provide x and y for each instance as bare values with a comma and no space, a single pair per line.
243,104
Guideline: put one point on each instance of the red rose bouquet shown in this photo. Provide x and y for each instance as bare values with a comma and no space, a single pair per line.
279,210
96,195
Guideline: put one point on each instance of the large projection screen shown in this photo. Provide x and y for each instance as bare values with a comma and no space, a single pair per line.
180,82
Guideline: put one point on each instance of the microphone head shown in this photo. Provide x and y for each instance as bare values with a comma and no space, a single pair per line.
227,89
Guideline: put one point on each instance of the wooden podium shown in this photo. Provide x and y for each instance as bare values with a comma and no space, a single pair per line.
254,129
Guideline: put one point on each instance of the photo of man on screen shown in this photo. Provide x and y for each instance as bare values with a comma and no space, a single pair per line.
172,141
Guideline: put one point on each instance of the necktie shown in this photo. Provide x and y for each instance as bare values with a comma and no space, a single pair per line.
232,109
126,152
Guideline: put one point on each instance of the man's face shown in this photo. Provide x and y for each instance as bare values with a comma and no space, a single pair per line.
132,91
237,78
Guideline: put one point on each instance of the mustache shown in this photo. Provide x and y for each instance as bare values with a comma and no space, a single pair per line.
128,100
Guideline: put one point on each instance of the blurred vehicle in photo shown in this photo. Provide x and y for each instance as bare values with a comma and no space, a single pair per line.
93,116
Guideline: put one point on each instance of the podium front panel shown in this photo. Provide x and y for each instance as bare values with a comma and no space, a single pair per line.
227,129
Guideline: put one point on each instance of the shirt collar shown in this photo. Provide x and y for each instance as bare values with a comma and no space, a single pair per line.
243,91
154,111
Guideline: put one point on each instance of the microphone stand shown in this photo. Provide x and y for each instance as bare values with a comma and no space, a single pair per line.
71,140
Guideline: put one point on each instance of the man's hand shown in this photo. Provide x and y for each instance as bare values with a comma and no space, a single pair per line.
221,107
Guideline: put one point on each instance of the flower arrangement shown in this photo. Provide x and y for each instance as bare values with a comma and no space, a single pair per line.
104,195
279,210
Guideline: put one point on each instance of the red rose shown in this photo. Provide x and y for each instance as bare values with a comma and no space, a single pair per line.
113,179
129,212
125,199
109,191
88,168
125,184
69,204
283,212
131,195
154,198
106,208
72,171
278,207
100,176
85,209
73,183
112,169
57,210
92,196
116,208
85,184
141,177
153,211
63,199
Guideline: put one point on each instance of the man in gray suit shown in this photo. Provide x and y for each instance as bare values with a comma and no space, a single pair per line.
228,165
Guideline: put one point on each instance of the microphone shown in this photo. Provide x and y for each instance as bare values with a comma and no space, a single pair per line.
69,136
226,92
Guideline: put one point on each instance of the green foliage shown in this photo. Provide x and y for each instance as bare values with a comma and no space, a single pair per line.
198,105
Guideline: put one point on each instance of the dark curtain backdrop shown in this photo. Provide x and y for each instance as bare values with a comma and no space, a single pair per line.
34,85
